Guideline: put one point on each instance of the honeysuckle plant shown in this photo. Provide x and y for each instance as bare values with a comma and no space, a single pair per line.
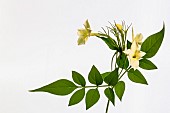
129,56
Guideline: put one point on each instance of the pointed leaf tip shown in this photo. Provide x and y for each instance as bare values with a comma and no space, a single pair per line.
94,76
78,78
77,97
112,78
147,64
110,95
92,98
119,89
152,44
59,87
137,77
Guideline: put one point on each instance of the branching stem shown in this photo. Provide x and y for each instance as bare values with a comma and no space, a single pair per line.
124,72
95,86
108,102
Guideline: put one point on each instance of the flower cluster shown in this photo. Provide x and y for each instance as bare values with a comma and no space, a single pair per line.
133,53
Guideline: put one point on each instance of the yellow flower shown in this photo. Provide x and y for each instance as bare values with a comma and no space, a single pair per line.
84,33
134,55
138,38
119,27
134,52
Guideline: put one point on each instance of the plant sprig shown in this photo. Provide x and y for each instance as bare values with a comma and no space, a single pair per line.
128,56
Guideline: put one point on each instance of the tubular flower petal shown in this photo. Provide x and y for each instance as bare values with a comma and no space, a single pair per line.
138,38
84,33
87,25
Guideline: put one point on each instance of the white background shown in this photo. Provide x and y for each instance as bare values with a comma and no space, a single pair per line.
38,45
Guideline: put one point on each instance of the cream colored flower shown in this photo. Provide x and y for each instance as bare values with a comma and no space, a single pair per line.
134,55
138,38
84,33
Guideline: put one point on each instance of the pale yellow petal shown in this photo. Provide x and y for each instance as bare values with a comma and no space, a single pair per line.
86,39
139,38
82,32
127,51
82,40
142,54
87,25
133,38
134,46
134,63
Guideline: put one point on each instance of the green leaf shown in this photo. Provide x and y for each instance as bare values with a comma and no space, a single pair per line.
105,74
78,78
146,64
128,44
110,42
112,78
152,44
59,87
110,95
77,97
92,97
119,89
137,77
122,61
94,76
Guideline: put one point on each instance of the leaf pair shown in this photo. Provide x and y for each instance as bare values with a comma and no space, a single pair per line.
112,80
94,77
64,87
151,46
92,95
119,90
79,94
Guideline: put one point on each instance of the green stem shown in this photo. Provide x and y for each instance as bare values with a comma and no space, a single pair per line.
118,39
107,107
94,34
112,60
124,72
125,40
122,67
108,102
93,86
116,59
